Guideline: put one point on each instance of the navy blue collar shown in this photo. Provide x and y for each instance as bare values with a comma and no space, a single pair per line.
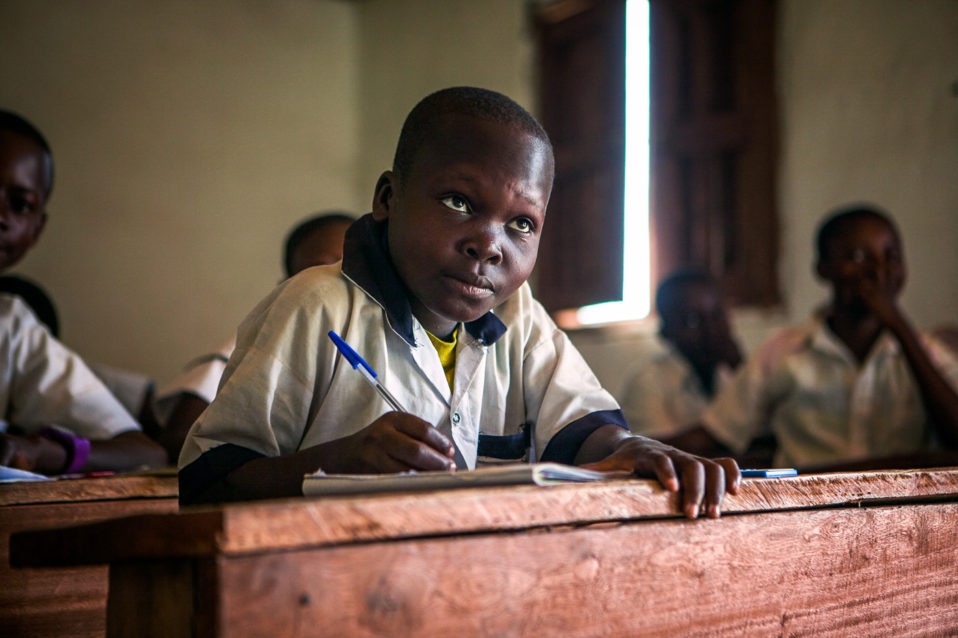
367,264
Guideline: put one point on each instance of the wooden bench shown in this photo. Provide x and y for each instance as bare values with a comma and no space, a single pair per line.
871,553
72,601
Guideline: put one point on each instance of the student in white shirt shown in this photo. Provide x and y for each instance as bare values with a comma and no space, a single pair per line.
59,418
452,238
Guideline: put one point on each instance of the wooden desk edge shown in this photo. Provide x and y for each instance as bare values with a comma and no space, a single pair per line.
245,528
88,489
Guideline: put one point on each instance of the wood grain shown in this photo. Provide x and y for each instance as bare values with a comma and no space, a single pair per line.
289,524
870,553
88,489
881,571
69,601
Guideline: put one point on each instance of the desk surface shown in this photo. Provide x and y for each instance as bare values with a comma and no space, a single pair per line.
316,522
161,484
68,602
868,553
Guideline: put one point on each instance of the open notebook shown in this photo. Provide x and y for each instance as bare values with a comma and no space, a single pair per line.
320,483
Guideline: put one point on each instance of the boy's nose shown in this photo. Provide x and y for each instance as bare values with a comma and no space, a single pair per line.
484,247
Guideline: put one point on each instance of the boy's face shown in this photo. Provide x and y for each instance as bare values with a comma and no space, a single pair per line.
698,323
23,196
465,222
867,258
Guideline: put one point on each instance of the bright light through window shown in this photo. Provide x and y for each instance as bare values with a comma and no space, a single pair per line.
636,293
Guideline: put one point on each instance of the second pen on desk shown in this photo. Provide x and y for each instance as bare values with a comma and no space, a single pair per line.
359,364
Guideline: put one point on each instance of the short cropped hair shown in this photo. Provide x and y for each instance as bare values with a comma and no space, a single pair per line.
669,289
838,220
19,125
420,124
305,228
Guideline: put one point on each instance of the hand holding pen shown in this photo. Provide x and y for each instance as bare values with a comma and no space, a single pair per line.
397,441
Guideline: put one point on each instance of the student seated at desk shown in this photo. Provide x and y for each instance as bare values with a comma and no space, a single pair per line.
855,387
432,292
58,416
693,354
133,390
316,241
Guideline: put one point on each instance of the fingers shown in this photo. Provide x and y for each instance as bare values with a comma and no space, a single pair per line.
398,442
733,475
705,483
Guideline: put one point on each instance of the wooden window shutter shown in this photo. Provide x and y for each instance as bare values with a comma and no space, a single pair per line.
582,106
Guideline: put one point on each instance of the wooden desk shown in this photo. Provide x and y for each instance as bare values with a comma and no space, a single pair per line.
832,554
67,602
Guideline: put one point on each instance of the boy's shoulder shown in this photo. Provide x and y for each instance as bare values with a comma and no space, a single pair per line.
785,342
16,314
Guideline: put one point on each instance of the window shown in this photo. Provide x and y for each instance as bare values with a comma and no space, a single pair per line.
713,146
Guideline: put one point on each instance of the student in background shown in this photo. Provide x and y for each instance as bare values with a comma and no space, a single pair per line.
316,241
857,386
57,416
669,386
453,235
133,390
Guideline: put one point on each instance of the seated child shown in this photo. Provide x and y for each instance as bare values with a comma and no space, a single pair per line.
316,241
57,416
133,390
855,387
432,292
666,390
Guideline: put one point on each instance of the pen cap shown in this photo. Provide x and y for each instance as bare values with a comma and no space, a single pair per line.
349,354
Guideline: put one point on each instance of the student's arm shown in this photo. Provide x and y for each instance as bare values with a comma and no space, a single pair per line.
938,397
395,442
127,451
704,482
186,410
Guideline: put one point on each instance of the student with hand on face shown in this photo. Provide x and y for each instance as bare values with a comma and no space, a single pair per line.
57,416
857,386
315,241
668,388
432,293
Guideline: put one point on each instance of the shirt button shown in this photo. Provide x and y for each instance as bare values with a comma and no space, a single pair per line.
456,418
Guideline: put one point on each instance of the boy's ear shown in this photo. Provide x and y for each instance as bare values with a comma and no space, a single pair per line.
384,196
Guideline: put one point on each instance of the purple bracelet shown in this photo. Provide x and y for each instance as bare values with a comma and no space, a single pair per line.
78,448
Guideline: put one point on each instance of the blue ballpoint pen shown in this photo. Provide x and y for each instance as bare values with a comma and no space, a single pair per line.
358,363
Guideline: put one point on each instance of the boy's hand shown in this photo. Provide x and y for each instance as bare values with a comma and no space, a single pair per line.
881,298
703,482
398,442
726,350
31,453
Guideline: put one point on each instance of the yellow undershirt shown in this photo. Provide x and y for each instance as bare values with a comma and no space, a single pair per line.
447,354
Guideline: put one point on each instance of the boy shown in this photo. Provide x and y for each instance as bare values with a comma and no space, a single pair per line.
667,391
453,236
57,416
856,387
316,241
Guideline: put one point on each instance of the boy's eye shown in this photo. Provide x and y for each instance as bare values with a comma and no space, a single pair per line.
523,225
456,202
19,204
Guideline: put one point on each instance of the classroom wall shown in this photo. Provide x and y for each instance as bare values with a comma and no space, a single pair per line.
869,101
190,135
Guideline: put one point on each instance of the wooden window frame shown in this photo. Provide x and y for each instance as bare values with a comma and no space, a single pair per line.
713,146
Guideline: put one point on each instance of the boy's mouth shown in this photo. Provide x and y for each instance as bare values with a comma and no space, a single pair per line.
470,286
